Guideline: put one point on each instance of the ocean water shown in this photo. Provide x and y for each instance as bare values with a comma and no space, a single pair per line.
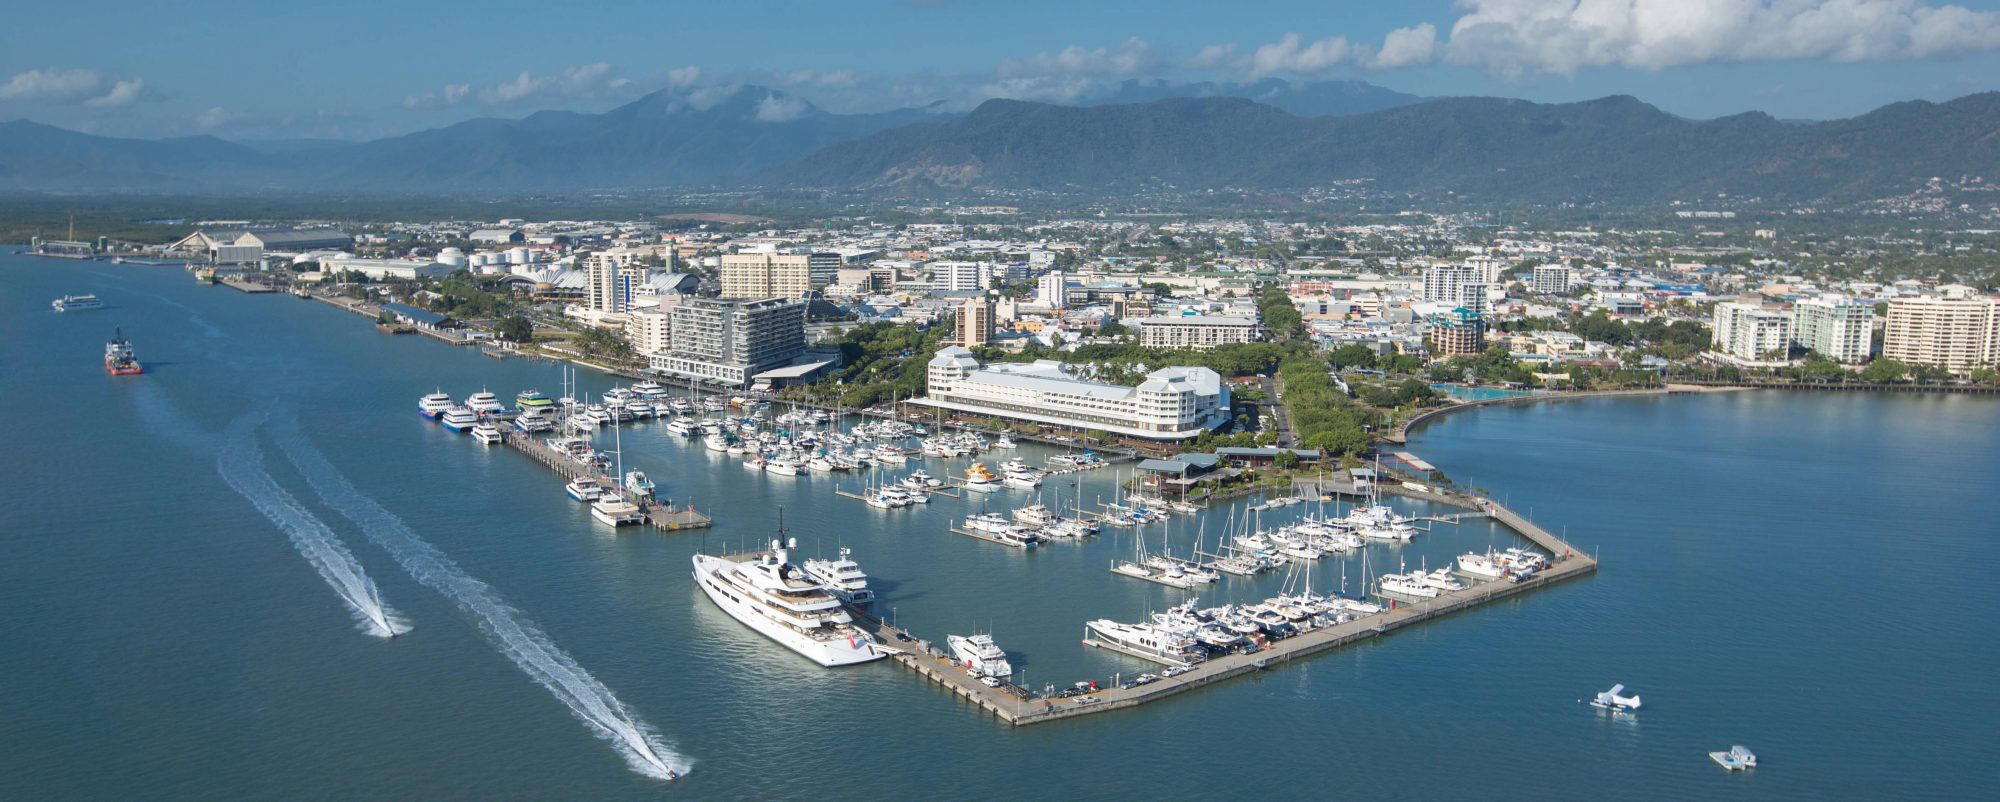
1803,574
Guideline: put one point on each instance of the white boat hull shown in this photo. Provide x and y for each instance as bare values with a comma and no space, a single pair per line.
826,653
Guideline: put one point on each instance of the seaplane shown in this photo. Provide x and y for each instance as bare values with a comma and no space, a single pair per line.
1612,700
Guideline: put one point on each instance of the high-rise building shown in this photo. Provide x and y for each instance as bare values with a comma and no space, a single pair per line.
776,275
1459,332
1751,332
1552,279
1837,327
726,342
1052,290
1457,286
611,281
1958,329
975,322
649,330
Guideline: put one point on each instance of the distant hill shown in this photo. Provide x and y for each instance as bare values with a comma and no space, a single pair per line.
1321,99
1611,149
663,139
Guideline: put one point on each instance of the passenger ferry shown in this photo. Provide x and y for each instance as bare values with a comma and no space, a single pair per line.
584,489
459,419
434,405
613,509
487,434
483,402
778,600
530,400
76,303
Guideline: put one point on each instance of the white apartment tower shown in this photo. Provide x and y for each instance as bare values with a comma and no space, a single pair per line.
1552,279
1958,329
777,275
1837,327
1749,331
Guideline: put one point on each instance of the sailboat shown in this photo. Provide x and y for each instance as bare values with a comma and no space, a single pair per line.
613,508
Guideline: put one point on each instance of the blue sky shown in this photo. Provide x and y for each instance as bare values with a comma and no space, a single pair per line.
366,69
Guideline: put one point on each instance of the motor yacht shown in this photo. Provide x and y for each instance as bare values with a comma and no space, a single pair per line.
980,656
584,489
459,419
843,576
780,601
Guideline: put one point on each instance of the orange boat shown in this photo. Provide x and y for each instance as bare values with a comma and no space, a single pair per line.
119,360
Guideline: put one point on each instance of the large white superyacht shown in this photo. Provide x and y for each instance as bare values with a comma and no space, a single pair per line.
769,594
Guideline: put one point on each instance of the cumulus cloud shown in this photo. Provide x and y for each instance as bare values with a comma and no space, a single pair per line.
51,84
123,93
1213,56
1293,54
1520,37
587,80
1044,88
451,95
1133,56
1404,47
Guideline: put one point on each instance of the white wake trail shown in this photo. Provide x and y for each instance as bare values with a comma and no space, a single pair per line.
242,466
512,632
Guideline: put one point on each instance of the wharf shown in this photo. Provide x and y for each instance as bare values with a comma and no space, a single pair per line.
246,286
1021,708
658,516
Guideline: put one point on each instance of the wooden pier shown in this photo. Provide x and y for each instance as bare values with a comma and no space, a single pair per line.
977,535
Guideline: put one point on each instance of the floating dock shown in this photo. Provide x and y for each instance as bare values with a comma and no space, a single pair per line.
1021,708
658,516
977,535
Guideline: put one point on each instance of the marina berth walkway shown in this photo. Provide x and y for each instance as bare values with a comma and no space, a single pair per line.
1020,707
658,516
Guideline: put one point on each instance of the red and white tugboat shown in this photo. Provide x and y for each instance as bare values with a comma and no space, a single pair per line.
119,360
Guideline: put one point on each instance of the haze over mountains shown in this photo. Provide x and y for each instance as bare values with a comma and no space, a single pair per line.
1266,135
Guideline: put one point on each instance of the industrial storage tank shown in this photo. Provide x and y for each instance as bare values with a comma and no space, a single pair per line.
451,256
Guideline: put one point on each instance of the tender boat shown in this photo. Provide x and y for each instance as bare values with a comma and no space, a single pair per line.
636,483
980,656
779,601
844,577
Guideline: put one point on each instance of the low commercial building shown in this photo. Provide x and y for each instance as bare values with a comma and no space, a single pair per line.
385,269
1175,403
1199,332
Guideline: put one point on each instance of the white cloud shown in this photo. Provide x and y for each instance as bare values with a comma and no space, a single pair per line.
1133,56
1044,88
215,116
1292,54
1213,56
51,84
452,95
1405,47
1519,37
587,80
779,109
123,93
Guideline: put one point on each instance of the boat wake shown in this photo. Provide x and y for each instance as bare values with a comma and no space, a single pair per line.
242,467
511,631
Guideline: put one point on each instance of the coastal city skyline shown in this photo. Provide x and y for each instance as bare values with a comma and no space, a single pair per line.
433,64
790,400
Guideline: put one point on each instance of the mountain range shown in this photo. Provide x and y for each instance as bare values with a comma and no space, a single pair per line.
1264,135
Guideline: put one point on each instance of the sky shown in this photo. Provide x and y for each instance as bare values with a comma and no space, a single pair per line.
364,69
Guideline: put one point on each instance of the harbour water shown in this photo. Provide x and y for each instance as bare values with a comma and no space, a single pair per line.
1798,573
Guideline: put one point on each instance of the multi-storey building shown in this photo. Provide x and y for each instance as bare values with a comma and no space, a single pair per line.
1174,403
1460,332
1837,327
611,280
1958,329
777,275
650,330
726,342
1751,332
1200,332
1551,279
975,322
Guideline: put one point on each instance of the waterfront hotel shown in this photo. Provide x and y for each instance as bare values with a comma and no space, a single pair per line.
1175,403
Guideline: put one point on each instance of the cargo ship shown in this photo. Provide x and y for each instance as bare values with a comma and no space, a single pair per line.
119,360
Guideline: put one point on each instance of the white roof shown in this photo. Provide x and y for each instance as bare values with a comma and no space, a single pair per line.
1197,320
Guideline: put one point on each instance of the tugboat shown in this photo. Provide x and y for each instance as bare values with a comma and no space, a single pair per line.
119,360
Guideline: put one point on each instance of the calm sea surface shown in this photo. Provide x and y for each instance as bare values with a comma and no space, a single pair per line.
1808,575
